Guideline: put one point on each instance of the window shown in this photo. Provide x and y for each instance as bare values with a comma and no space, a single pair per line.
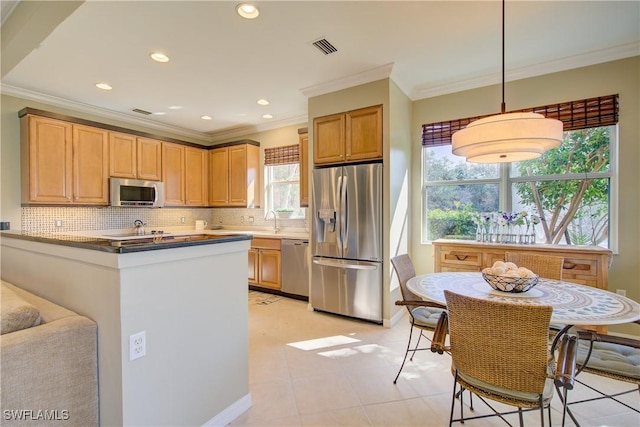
282,181
572,189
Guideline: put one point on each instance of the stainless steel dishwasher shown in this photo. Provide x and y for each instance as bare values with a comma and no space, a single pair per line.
295,266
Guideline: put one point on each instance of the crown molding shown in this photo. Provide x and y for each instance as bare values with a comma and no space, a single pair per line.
368,76
568,63
216,136
102,112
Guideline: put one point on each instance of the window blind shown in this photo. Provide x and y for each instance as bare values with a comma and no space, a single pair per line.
283,155
579,114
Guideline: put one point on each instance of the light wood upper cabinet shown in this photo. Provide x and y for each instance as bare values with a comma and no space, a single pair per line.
46,152
196,176
90,165
122,155
135,158
63,163
149,159
185,173
329,137
234,176
303,140
348,137
364,134
173,173
219,177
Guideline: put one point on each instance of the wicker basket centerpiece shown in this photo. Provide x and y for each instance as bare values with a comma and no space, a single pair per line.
507,277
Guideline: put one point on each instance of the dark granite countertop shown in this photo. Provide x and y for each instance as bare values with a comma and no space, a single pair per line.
125,246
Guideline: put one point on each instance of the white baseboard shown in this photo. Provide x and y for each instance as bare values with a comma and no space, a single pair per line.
231,412
388,323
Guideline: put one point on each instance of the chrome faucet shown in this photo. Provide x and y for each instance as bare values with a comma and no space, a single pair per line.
275,221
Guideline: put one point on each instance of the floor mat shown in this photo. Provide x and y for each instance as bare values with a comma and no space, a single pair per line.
261,298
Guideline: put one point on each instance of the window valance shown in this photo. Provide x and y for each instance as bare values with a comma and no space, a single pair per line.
283,155
580,114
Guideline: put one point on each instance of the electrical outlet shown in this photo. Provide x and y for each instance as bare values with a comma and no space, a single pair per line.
622,292
250,220
182,220
137,345
241,219
59,223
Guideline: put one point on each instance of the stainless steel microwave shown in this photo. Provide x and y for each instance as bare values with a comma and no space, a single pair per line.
136,193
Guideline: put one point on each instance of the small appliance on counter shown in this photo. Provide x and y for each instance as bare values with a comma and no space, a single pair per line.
346,241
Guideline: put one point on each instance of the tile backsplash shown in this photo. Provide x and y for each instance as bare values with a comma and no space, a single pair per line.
44,219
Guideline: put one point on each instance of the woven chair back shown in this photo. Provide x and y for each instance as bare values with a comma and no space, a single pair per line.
547,266
404,270
502,344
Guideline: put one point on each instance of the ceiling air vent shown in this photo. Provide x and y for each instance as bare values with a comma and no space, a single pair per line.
139,111
324,46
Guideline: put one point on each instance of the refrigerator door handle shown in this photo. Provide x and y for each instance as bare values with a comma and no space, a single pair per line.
339,234
344,212
346,264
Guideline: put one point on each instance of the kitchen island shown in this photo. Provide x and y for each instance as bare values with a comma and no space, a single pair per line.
189,297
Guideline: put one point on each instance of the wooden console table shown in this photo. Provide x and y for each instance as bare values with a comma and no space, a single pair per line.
585,265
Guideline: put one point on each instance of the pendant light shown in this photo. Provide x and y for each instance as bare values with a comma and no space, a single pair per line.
506,137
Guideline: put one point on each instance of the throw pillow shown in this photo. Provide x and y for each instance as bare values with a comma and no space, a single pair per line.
16,313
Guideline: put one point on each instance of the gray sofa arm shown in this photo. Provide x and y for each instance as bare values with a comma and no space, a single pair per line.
49,374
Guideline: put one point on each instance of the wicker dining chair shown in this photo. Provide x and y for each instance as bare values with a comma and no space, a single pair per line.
500,352
611,357
547,266
422,314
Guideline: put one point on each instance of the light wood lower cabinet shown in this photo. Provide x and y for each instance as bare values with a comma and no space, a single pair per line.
585,265
265,263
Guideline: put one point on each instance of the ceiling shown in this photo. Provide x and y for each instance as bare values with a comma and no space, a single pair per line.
221,64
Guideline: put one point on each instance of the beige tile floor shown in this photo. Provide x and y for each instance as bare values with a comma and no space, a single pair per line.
315,369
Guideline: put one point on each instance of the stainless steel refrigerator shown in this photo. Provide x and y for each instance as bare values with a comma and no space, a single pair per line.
346,241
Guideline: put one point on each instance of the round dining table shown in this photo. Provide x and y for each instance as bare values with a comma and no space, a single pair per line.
573,304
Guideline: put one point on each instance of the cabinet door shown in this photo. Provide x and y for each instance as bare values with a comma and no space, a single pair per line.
364,134
90,165
269,268
122,155
329,139
219,177
238,175
46,160
149,165
304,169
253,266
173,173
195,160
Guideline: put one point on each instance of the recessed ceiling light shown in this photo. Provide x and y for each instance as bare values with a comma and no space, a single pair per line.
175,107
159,57
205,117
262,102
267,116
103,86
247,10
159,113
